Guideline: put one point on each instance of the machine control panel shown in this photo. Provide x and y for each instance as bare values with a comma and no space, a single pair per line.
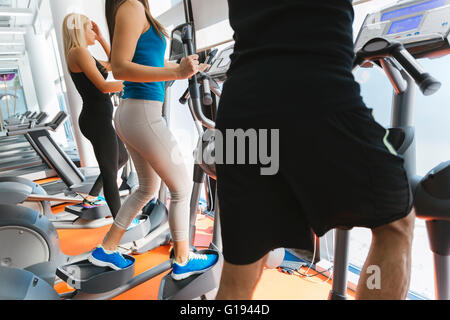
416,21
222,63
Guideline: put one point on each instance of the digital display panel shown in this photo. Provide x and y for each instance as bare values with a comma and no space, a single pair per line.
405,24
413,9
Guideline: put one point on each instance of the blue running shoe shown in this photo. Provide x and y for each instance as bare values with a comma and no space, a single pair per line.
115,260
133,224
197,263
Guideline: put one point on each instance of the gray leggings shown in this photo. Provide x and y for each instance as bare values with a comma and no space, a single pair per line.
156,156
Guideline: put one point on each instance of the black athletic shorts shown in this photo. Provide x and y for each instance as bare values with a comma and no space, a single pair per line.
336,169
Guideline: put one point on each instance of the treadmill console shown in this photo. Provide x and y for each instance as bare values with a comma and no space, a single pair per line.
423,26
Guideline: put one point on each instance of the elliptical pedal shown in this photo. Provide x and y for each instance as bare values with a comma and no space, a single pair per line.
87,278
195,286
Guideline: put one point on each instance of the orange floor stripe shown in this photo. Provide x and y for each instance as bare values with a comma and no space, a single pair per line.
76,241
48,180
275,285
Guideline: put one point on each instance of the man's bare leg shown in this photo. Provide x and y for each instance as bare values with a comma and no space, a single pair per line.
239,282
390,253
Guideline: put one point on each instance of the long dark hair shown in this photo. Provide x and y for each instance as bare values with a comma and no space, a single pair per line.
111,8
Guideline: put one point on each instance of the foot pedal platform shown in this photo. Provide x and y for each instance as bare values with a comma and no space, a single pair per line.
139,231
87,278
89,214
194,286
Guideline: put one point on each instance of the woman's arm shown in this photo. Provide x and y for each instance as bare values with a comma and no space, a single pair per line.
86,63
170,64
131,22
105,45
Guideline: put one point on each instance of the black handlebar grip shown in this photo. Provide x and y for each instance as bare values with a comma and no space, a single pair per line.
427,83
184,98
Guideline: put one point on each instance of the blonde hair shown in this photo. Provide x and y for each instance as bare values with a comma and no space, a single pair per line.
73,32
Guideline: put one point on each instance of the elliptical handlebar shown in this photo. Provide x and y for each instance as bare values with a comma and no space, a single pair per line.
194,88
207,96
427,83
205,80
380,49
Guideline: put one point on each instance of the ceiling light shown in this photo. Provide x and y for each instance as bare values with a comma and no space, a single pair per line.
16,12
9,58
11,53
11,44
12,30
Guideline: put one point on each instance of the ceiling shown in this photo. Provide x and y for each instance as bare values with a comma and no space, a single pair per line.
15,16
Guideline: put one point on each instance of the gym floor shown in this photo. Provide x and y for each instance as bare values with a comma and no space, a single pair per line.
274,285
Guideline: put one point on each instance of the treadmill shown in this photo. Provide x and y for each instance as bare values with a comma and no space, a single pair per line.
17,156
72,178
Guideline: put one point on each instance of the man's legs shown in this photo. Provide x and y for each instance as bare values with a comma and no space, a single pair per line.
239,282
390,253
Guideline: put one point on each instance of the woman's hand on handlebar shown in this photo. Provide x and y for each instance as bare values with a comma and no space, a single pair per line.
190,66
203,66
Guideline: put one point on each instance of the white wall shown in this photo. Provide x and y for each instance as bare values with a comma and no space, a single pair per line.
211,22
42,63
172,17
28,84
158,7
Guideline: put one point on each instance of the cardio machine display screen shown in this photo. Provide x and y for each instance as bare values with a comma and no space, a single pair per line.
405,25
433,4
226,60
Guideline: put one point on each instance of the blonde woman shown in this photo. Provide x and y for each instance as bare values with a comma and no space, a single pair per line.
95,121
138,50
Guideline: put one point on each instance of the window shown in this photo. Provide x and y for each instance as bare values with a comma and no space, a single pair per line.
432,116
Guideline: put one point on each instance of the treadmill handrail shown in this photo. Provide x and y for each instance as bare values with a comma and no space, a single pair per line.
23,129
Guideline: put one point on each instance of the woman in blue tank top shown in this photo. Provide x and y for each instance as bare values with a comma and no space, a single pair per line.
137,57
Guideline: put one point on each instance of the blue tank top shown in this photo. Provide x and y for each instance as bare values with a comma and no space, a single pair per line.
150,51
